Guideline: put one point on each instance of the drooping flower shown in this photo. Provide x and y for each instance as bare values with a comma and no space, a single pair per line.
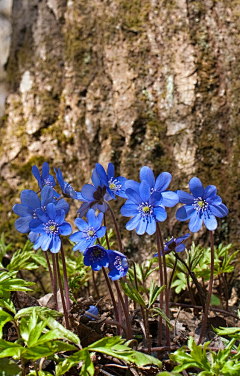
30,202
50,225
118,265
174,244
144,207
203,205
114,186
94,196
89,231
67,189
93,310
45,178
96,257
166,198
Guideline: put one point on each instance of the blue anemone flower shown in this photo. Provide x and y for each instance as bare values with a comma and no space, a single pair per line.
93,196
89,231
96,257
166,198
93,310
118,265
114,186
67,189
50,225
144,207
203,205
45,178
174,244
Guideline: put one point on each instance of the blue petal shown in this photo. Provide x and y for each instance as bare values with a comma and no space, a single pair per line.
144,191
22,224
219,211
169,199
65,229
95,179
210,221
110,171
101,232
33,236
52,181
62,204
180,248
60,217
56,244
129,210
30,198
147,174
45,171
101,173
51,211
185,212
114,274
22,210
88,191
134,196
151,226
93,310
76,237
39,241
182,238
185,198
214,200
133,185
160,213
196,187
98,221
42,215
132,224
82,245
91,217
83,208
45,241
47,195
103,208
81,224
80,197
210,190
162,182
141,227
37,226
195,222
36,174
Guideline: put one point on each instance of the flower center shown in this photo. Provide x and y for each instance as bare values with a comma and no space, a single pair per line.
114,185
96,254
145,209
51,227
119,264
47,182
200,205
90,233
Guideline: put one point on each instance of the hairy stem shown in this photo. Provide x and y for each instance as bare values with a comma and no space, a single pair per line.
55,281
161,294
50,270
61,292
126,313
111,294
66,288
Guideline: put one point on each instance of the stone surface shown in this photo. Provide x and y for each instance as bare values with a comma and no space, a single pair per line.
133,82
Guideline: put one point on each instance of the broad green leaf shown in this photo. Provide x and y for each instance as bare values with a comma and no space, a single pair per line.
36,333
9,368
26,312
9,349
48,349
66,334
7,303
4,318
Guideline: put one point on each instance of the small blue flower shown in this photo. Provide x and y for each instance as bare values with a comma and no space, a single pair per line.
45,178
203,205
144,207
67,189
89,232
118,265
96,257
93,196
50,225
114,186
174,244
166,198
93,310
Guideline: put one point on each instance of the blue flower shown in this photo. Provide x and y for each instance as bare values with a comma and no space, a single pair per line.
166,198
203,205
50,225
93,310
174,244
30,202
144,207
114,186
93,196
118,265
45,178
67,189
89,232
96,257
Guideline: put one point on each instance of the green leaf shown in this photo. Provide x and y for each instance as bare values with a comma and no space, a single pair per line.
65,333
4,318
154,293
9,349
26,312
45,350
132,293
40,373
9,368
7,303
159,312
215,300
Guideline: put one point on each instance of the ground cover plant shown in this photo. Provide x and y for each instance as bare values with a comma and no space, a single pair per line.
150,318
